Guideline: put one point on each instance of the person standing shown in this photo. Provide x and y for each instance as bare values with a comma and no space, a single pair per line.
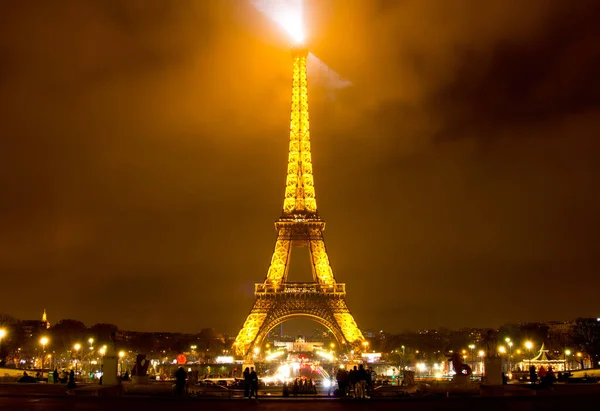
361,384
253,383
353,377
180,379
247,382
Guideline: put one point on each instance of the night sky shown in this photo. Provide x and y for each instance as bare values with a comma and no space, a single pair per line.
144,143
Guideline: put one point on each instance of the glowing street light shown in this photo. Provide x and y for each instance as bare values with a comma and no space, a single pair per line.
567,353
529,346
121,355
2,334
502,349
472,347
481,354
43,341
76,347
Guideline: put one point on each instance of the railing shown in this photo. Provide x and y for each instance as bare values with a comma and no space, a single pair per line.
300,288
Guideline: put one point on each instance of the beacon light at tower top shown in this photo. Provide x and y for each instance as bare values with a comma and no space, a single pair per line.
286,13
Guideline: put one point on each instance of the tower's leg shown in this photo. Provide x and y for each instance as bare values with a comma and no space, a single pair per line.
280,260
345,320
251,326
320,260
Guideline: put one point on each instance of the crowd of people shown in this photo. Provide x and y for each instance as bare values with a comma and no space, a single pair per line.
300,386
356,383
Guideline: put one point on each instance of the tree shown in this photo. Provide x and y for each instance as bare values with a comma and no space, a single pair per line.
586,336
65,333
6,319
103,332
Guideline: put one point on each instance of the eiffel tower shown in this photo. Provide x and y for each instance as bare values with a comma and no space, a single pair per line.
277,300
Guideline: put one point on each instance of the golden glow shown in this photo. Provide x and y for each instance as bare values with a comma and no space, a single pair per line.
286,13
481,353
2,333
528,345
279,261
44,341
102,351
300,190
121,354
91,341
568,352
249,332
502,349
77,346
346,322
299,225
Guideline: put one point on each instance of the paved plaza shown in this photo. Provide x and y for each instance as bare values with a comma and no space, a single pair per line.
127,404
48,398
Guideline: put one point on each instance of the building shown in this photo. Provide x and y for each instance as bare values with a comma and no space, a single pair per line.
32,328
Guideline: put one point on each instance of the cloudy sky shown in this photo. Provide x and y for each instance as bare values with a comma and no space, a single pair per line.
143,153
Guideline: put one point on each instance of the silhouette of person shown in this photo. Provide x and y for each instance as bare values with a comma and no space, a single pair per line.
71,383
180,379
247,382
253,383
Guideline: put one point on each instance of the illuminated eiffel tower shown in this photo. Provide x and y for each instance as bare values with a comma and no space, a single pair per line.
277,300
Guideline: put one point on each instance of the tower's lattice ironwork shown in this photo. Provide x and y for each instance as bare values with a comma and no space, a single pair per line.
277,300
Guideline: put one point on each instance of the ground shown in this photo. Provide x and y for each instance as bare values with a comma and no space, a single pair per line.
149,404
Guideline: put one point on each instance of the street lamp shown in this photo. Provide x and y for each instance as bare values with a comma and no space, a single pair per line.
43,341
529,346
567,353
481,354
403,361
510,344
2,334
472,347
76,347
121,355
502,350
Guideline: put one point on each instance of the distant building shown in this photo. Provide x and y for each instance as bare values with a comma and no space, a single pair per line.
33,327
298,345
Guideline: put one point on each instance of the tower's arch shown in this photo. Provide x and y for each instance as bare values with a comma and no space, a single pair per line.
332,327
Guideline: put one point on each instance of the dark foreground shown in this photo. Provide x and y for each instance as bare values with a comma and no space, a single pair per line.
148,404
